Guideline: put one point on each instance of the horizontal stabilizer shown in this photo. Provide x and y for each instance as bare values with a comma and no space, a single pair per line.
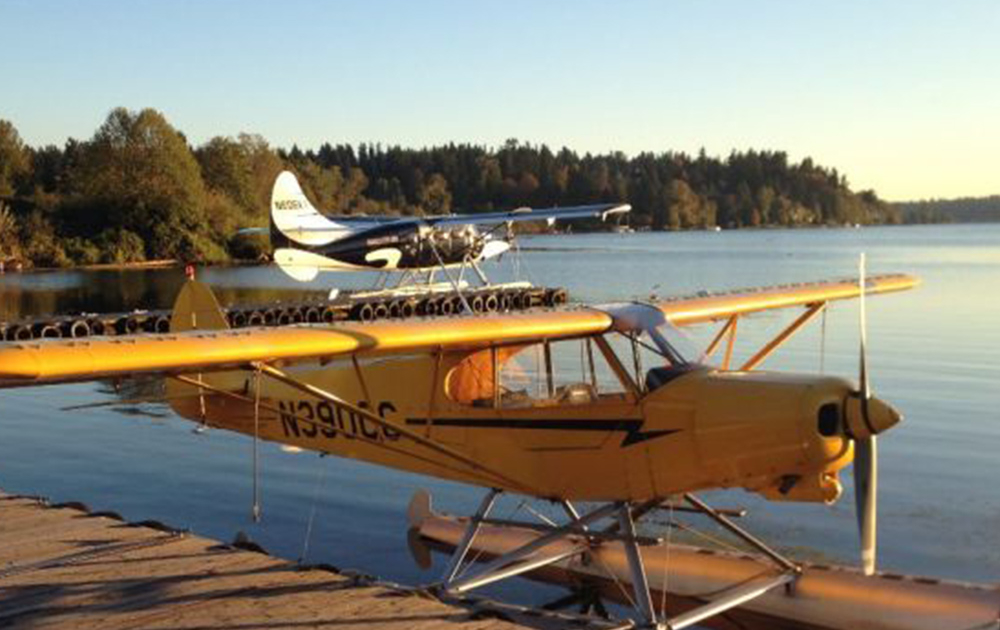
305,266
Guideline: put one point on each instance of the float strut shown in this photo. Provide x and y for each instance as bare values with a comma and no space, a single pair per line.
640,587
470,535
501,566
746,536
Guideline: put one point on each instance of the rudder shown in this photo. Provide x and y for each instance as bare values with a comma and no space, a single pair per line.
294,220
197,309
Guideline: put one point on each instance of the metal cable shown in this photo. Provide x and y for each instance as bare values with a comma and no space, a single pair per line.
479,552
255,510
618,583
320,478
666,561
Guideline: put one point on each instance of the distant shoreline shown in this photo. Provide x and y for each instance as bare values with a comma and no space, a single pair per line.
146,264
170,263
154,264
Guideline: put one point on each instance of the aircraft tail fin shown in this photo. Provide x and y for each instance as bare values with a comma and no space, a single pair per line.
294,220
420,508
419,511
196,309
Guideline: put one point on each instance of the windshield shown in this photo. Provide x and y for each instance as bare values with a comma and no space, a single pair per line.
650,330
674,343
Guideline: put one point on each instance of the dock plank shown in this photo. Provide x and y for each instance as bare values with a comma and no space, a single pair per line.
61,567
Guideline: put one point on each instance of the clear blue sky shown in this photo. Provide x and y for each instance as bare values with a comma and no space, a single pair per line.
901,96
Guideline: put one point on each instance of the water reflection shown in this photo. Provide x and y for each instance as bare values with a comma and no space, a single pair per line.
103,291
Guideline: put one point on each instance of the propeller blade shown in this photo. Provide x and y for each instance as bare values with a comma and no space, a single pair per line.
865,449
865,498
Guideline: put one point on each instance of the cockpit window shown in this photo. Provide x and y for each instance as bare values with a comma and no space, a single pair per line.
641,353
549,373
566,372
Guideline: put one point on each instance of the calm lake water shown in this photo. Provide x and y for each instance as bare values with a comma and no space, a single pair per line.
933,353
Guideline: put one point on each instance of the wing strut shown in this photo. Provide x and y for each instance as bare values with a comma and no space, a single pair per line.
728,332
300,418
782,337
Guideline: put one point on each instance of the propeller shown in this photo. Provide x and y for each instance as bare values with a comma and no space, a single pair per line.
865,449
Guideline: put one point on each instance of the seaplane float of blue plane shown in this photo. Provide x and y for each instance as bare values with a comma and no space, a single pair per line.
306,241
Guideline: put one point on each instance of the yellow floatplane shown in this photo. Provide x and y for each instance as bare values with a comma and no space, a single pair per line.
596,404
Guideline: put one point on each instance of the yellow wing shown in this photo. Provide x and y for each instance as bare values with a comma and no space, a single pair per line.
47,361
713,307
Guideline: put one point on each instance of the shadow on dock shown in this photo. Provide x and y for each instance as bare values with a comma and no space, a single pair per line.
63,566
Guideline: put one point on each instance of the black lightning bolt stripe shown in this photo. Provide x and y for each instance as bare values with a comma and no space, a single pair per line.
631,427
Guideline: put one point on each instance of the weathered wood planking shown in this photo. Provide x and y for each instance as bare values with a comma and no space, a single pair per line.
62,567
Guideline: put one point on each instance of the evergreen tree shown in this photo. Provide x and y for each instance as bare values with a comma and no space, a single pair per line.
15,161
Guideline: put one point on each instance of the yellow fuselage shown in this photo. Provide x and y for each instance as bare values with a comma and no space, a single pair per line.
705,428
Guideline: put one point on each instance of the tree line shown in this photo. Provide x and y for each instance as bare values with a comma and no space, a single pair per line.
138,190
961,210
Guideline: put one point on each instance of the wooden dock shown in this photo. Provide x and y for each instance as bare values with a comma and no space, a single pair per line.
62,566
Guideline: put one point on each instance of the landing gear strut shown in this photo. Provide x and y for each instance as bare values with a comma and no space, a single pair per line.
557,543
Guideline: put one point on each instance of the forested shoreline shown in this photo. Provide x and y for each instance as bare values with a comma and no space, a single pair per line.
138,190
962,210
